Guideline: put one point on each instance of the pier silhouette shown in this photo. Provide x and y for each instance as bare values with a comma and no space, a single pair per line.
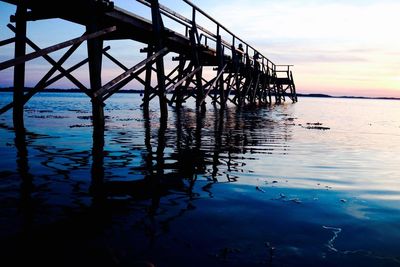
242,75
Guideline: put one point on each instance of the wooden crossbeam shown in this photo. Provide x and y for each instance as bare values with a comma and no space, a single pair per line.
154,93
256,89
56,65
50,49
108,87
122,66
120,85
213,84
37,89
190,75
115,61
230,86
70,70
7,41
170,81
135,75
167,77
248,87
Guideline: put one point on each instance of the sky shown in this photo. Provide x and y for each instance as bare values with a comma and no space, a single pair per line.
337,47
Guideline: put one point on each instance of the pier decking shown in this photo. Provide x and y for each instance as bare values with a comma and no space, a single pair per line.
241,76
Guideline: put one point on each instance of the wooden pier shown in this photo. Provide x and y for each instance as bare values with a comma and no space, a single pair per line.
242,76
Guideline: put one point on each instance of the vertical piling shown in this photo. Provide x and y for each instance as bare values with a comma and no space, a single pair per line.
179,89
270,82
294,94
196,63
220,60
95,53
158,31
19,70
147,87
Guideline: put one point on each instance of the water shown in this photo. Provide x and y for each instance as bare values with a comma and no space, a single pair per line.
310,184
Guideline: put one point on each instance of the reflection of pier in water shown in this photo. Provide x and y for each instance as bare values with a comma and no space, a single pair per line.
176,167
210,145
174,158
205,144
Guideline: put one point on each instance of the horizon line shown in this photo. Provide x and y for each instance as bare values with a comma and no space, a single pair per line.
322,95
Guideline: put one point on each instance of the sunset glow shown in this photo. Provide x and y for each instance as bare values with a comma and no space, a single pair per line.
337,47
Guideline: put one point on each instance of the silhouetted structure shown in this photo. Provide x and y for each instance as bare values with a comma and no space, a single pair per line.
237,80
240,52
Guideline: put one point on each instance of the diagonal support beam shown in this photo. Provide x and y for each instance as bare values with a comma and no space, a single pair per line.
56,65
121,84
108,87
256,88
7,41
37,89
115,61
213,84
50,49
122,66
231,85
154,92
190,75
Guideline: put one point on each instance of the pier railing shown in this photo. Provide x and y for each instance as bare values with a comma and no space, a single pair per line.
206,36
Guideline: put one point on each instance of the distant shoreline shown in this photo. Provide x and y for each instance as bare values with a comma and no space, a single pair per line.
54,90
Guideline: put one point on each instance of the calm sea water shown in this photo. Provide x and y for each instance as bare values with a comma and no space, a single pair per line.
316,183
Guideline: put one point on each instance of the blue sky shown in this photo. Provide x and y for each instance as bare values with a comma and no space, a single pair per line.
338,47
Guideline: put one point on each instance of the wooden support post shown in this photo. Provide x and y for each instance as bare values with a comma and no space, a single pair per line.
212,85
294,94
95,55
265,90
158,31
269,86
46,82
19,70
129,74
278,97
220,60
255,87
236,70
22,59
200,89
239,88
188,77
228,82
179,93
147,87
7,41
196,62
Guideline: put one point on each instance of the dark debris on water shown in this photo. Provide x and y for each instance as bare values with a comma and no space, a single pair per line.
315,126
